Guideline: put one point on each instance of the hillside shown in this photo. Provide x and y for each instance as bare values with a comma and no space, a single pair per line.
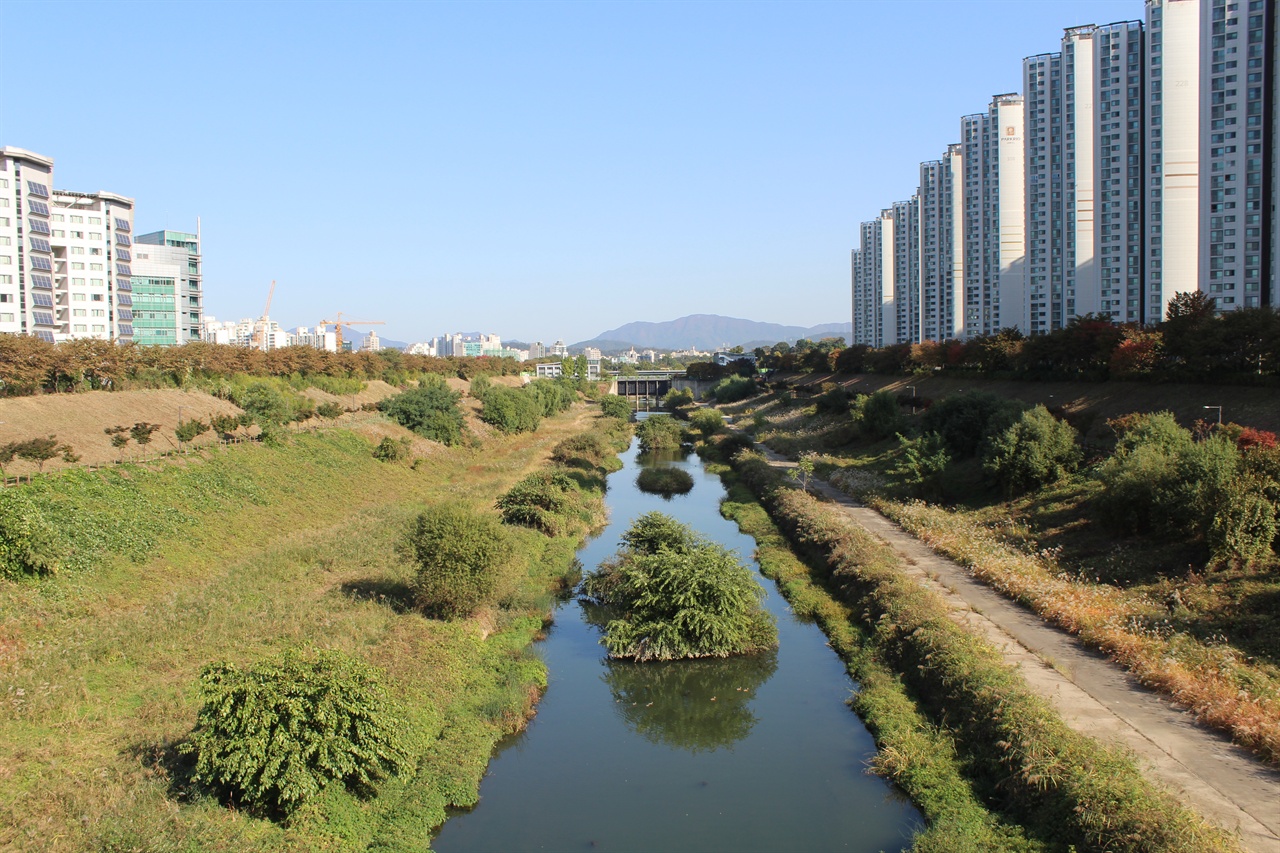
1087,404
708,332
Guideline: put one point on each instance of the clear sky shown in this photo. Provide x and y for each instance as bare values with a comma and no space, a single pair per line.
535,170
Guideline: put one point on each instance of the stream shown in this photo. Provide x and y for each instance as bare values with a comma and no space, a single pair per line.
737,754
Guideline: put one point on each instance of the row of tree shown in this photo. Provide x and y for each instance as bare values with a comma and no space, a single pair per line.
1194,342
29,365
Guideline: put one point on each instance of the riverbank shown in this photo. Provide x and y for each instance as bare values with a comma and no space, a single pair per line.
234,555
1017,753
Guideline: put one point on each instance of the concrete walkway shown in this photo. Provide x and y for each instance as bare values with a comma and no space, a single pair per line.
1096,697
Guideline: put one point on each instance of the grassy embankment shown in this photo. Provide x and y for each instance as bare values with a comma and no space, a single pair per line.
233,555
990,764
1203,633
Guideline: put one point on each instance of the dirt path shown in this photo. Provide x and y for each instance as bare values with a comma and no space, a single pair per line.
1220,780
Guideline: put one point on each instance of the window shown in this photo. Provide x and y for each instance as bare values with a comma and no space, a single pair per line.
77,250
6,318
97,297
6,297
5,241
96,282
78,297
4,220
58,233
77,235
79,282
99,328
95,220
78,312
58,217
5,279
77,265
95,266
75,218
99,312
95,251
80,327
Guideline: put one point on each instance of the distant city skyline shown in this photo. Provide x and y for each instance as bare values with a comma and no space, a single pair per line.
534,170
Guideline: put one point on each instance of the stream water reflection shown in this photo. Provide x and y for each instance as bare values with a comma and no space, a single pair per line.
743,754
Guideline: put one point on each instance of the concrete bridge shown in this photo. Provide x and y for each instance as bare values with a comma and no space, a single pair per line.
646,389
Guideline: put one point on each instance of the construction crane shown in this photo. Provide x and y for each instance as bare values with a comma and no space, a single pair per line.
339,323
261,327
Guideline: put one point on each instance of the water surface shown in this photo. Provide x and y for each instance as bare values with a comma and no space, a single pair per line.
743,754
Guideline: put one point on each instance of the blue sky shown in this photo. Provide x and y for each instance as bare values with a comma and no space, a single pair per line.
535,170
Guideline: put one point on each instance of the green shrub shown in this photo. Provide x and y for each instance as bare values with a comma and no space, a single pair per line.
392,450
537,501
923,463
659,432
878,415
329,411
707,421
964,421
511,410
1036,450
665,481
676,595
676,398
734,388
1243,525
274,735
266,404
834,400
461,556
589,447
185,431
28,545
615,406
431,410
480,386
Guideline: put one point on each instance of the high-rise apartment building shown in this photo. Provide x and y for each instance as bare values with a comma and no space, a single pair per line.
67,262
1140,162
906,271
168,290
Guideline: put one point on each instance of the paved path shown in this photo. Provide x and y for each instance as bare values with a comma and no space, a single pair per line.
1220,780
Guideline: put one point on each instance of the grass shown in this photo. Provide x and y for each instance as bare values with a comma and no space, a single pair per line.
1017,754
233,555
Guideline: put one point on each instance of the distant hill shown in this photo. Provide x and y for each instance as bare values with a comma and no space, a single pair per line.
707,332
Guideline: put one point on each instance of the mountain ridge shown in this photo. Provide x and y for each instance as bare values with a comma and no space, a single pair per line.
709,332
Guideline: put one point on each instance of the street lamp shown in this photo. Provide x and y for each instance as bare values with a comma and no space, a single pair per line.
1219,408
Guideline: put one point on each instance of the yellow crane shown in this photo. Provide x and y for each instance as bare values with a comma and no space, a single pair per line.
260,327
340,322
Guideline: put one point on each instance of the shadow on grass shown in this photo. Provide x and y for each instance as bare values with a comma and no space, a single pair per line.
169,762
391,593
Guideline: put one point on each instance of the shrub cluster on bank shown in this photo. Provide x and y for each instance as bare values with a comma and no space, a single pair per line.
1021,755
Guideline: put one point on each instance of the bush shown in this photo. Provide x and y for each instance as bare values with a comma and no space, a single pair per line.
511,410
659,432
329,411
734,388
28,545
187,430
677,595
392,450
1243,524
460,557
677,397
665,481
537,501
1037,450
276,734
431,410
965,420
615,406
265,404
552,395
923,463
707,421
834,400
878,415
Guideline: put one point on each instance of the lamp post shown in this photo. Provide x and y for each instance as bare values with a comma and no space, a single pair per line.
179,416
1219,408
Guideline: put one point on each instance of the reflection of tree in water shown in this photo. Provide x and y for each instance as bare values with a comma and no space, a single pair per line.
660,457
699,705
